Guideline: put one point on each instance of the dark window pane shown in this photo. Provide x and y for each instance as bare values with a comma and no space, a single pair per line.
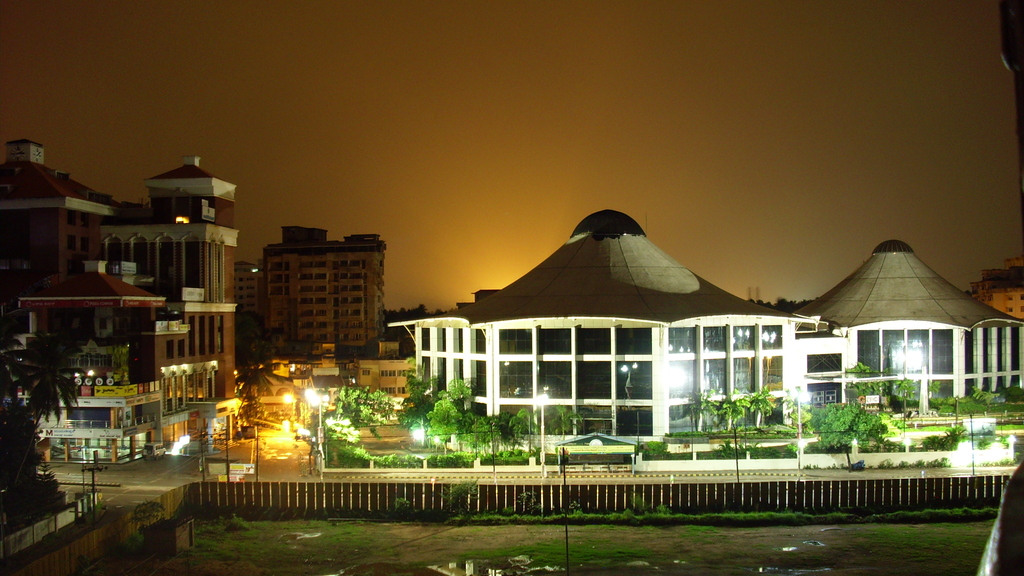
479,377
682,340
593,341
442,339
427,372
634,421
986,350
942,351
457,339
1000,357
424,338
714,376
515,341
479,341
633,341
682,381
555,340
941,388
743,337
824,363
442,374
969,353
1014,348
633,381
457,371
714,339
516,379
555,379
594,380
868,350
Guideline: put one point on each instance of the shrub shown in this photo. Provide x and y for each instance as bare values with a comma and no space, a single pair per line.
348,457
397,461
1013,394
528,501
954,436
461,497
506,458
453,460
653,448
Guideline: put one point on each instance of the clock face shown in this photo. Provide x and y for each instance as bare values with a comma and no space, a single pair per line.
37,155
18,153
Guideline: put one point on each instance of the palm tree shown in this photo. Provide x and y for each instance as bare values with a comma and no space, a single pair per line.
50,375
49,380
762,404
11,357
255,378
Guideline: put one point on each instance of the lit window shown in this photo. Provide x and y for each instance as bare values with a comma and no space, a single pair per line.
181,219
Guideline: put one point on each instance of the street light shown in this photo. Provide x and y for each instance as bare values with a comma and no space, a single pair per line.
801,397
317,401
541,401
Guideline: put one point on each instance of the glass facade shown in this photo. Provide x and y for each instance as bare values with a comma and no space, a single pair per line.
634,381
682,340
594,380
593,341
555,379
515,341
515,379
555,341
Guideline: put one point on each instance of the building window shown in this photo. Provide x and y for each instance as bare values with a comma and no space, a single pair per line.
72,242
594,380
181,348
593,341
479,341
515,341
84,218
425,339
515,379
555,379
916,360
771,337
892,351
634,421
817,363
771,372
743,337
868,349
682,380
72,220
442,339
555,341
633,381
170,349
457,340
714,339
633,341
479,368
743,375
458,365
682,340
714,375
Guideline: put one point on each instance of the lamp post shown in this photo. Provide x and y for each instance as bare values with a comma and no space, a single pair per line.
316,401
542,400
800,394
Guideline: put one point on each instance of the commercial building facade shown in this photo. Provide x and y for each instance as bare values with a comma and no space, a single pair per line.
616,330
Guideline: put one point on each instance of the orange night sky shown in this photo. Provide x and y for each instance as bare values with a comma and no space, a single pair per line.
761,144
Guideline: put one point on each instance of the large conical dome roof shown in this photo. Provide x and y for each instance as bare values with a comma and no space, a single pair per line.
895,285
609,269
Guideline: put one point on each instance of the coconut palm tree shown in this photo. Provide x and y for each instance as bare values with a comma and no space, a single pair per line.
11,357
50,376
762,404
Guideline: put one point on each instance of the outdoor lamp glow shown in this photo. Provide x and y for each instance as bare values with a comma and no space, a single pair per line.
288,398
418,434
312,397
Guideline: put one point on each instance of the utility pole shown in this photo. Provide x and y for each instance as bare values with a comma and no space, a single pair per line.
94,469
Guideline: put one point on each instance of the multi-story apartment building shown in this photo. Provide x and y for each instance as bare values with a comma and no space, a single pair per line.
152,311
1003,289
248,287
49,223
388,376
326,294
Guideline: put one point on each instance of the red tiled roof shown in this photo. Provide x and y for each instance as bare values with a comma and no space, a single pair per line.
183,172
94,285
35,181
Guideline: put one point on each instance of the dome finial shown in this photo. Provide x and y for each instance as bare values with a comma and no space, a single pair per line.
608,224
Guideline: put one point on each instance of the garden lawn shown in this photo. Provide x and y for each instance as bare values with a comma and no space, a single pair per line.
386,549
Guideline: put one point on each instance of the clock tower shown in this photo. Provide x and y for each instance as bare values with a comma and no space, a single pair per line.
24,151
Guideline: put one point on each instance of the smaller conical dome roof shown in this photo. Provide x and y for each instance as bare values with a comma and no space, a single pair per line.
894,284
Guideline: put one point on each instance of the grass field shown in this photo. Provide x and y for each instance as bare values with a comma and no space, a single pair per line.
230,548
